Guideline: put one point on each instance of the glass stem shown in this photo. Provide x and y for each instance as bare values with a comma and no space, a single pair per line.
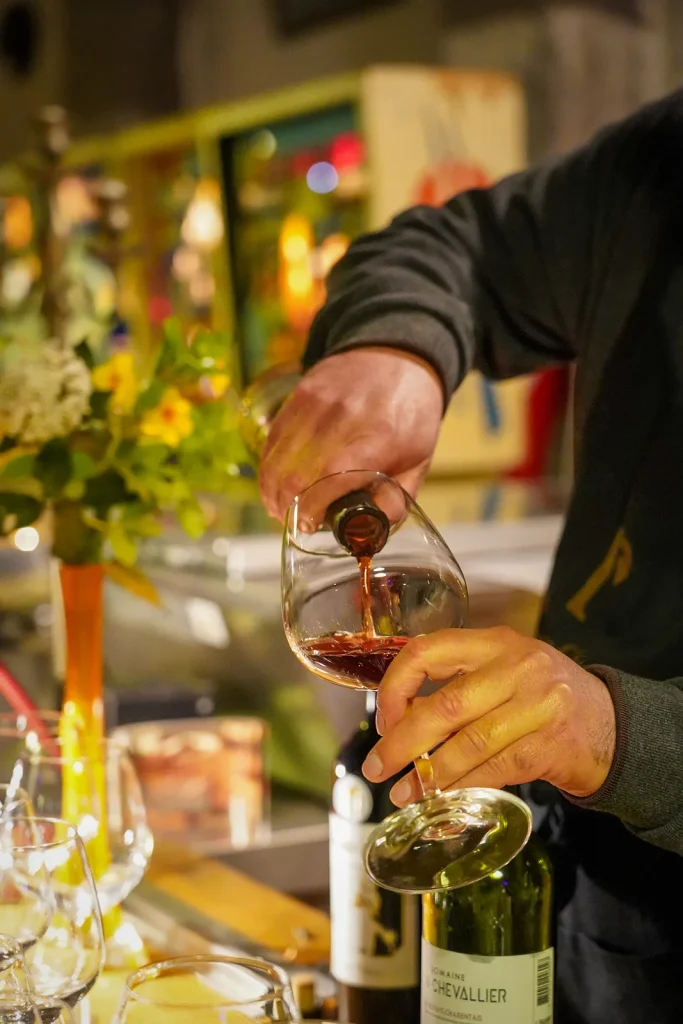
425,773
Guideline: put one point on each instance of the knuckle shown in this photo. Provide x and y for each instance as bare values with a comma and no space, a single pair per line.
563,701
474,741
505,635
417,649
448,704
537,661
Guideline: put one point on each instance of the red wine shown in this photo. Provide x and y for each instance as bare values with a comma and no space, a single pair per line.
375,933
352,659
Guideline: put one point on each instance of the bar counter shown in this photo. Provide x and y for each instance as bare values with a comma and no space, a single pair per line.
190,904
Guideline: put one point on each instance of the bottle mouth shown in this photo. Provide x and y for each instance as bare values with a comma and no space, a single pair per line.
362,530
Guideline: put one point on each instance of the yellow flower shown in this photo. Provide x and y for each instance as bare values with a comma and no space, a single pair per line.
216,385
118,376
170,421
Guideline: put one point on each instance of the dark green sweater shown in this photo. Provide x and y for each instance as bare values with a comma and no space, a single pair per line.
577,260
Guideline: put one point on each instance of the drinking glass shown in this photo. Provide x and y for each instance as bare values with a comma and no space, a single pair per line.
39,731
117,838
348,625
53,914
14,802
207,990
16,988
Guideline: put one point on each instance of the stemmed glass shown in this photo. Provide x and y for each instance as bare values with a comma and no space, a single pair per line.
14,802
118,840
50,907
207,990
19,1003
347,626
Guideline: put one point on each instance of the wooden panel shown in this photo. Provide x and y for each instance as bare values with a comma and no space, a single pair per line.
240,904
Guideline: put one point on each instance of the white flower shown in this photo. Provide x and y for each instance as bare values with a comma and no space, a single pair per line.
43,395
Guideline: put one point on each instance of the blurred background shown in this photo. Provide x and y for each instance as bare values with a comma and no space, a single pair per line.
255,139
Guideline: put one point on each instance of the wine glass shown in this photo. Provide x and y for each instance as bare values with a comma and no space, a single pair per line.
348,626
207,990
16,987
117,837
54,914
14,802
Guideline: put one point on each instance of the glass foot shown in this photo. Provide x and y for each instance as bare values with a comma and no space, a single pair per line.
447,841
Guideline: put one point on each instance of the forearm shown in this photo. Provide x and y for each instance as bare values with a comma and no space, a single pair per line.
527,273
644,787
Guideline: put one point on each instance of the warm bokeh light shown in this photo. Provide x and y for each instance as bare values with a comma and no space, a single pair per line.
17,225
202,227
26,538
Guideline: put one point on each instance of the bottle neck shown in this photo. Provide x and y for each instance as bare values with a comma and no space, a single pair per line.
359,525
370,704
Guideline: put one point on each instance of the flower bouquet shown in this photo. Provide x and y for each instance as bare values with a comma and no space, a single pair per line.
105,442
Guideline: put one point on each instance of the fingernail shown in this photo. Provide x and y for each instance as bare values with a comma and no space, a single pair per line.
372,768
402,792
379,722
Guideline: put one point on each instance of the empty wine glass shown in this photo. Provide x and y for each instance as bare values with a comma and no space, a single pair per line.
53,914
207,990
16,987
34,732
14,802
117,838
348,625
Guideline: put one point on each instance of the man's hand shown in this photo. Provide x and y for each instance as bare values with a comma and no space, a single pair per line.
369,408
515,710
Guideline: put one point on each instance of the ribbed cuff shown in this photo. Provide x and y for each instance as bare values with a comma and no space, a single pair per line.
644,786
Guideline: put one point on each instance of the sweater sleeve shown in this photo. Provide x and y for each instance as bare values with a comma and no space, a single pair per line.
521,275
648,758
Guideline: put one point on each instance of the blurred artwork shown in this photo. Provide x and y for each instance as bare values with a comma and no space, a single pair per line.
299,190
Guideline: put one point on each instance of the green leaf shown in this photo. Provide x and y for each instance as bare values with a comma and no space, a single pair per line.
174,334
151,457
82,465
17,510
22,466
53,467
123,546
74,490
192,519
84,352
173,347
98,404
150,398
106,490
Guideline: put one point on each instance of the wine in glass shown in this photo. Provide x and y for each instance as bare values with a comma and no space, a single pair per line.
207,990
363,571
54,915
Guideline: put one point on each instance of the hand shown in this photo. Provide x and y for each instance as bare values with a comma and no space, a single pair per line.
368,408
514,710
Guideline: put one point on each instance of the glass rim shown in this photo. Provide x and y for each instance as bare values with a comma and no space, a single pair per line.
71,837
151,972
106,743
374,473
290,532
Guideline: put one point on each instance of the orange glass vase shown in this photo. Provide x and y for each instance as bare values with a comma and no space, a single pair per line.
83,732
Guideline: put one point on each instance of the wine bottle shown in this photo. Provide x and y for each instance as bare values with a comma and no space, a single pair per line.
375,933
487,950
358,524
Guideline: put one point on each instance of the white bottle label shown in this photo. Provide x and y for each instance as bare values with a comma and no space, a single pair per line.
486,989
374,932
